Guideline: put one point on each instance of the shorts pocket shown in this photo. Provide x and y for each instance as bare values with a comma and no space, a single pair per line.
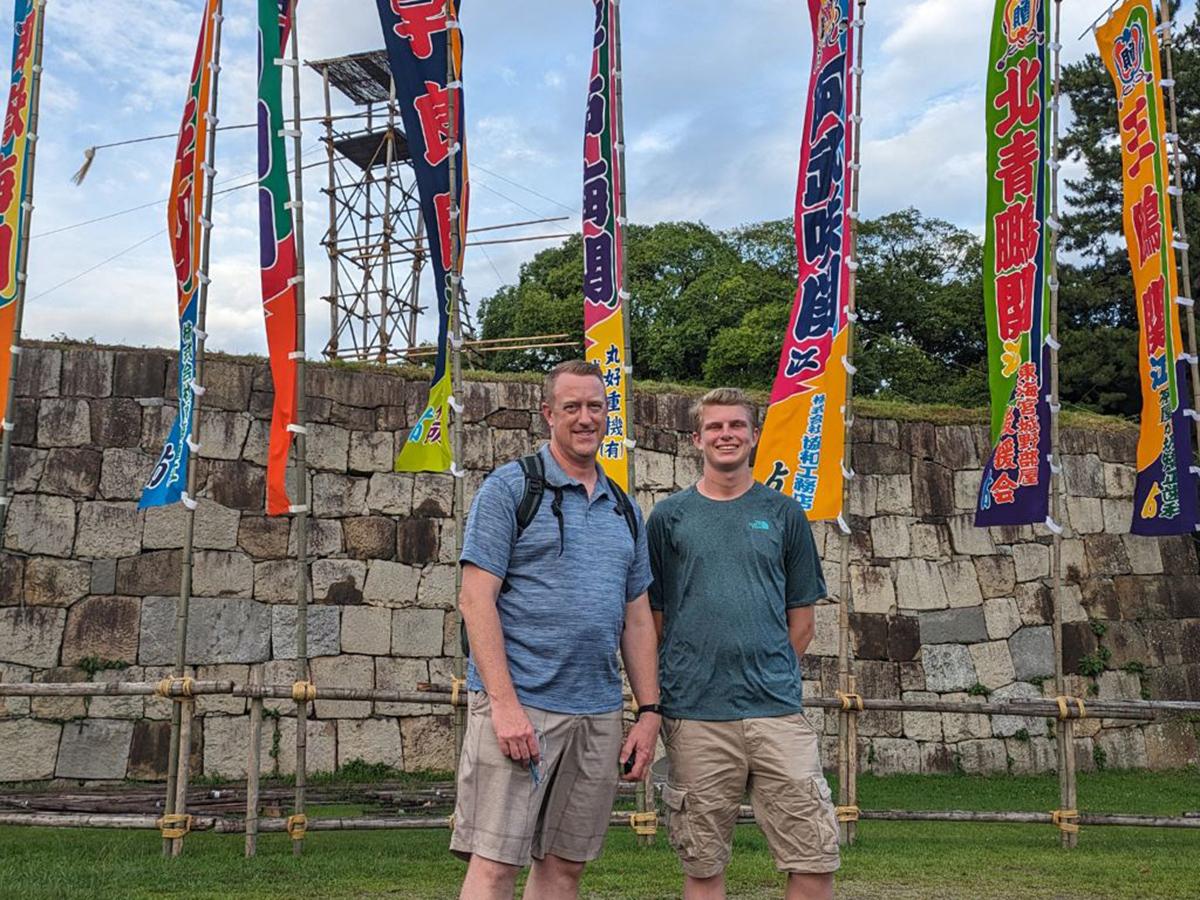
826,817
679,829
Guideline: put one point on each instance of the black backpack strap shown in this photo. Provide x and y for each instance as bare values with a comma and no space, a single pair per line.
535,486
625,508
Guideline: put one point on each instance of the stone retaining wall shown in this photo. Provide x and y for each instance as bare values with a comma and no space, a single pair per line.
87,584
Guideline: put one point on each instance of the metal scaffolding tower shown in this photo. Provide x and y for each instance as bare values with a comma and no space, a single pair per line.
376,239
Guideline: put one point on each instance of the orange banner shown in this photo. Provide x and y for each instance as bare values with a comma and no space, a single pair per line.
1165,489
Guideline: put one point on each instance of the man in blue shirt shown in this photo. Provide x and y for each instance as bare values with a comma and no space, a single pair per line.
736,573
546,609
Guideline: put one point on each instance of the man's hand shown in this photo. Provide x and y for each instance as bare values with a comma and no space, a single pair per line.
514,732
640,744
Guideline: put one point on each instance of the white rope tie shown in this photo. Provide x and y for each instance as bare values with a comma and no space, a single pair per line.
297,429
454,404
201,336
1166,82
849,366
456,471
5,501
294,204
623,295
630,443
1053,526
202,277
453,85
1179,245
1189,357
1175,191
851,264
194,446
1185,301
298,508
842,525
1056,468
1192,414
15,350
295,279
196,388
847,473
851,315
6,425
297,354
1053,343
187,501
290,132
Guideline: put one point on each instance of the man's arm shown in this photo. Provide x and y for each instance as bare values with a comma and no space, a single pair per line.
477,603
801,626
639,649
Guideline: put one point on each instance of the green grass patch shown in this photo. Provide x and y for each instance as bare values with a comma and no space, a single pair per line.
891,859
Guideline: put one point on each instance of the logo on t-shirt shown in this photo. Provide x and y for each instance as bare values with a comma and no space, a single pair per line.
760,525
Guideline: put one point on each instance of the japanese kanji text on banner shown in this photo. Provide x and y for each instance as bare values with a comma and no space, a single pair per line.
1164,495
277,244
603,235
185,229
14,176
803,437
1016,479
418,35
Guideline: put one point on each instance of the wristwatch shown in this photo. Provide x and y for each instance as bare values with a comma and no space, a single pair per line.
648,708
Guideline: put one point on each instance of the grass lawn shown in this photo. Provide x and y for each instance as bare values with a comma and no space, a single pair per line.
907,860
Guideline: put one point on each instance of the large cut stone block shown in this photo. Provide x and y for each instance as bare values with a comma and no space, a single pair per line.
872,589
436,590
320,753
30,749
984,757
31,636
922,726
339,495
366,629
417,541
264,537
953,626
56,582
73,471
889,536
137,373
391,493
115,422
343,671
109,530
63,423
1032,650
39,372
156,572
94,749
223,434
227,384
391,584
417,632
227,746
428,743
219,631
371,741
433,495
328,447
919,585
370,537
1007,726
892,756
1002,617
87,373
961,583
223,573
948,667
324,638
964,726
993,664
1031,561
339,581
41,525
123,473
150,746
398,674
215,527
237,484
103,628
965,538
374,451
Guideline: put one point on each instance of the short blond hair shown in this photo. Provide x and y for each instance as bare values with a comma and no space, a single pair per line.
570,367
726,396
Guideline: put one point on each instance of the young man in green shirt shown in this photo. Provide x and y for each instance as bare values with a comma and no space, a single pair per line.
736,573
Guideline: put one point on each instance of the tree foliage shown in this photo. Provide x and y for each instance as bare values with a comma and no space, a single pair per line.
712,307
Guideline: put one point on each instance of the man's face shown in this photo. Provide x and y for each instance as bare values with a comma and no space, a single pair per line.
725,438
576,416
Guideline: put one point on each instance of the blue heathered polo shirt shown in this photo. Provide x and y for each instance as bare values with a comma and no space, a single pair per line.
562,613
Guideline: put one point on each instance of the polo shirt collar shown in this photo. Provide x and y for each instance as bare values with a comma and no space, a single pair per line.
556,477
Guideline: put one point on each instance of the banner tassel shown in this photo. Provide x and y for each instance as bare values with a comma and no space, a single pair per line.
89,157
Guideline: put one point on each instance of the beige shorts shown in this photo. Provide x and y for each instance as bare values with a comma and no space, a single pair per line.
777,759
503,815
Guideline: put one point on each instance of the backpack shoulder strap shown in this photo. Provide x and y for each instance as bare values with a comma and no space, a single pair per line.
535,486
625,508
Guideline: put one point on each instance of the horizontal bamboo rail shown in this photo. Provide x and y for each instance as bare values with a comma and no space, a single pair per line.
1143,710
227,825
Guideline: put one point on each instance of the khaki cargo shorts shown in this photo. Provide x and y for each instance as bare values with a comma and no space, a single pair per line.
504,815
777,759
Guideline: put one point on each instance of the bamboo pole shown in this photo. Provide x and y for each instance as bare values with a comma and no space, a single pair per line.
331,242
274,825
1185,290
1065,730
254,765
188,709
453,286
645,788
848,717
301,487
386,248
177,774
7,425
414,287
1131,710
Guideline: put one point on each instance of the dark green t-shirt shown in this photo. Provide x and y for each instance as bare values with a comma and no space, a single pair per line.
725,574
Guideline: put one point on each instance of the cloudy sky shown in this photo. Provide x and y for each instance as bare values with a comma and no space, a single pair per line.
715,93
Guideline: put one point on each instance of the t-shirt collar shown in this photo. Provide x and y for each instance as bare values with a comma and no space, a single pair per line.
556,477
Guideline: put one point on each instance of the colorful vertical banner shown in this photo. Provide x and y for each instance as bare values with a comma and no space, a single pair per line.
15,175
1015,489
419,35
603,237
803,437
185,209
277,243
1164,495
